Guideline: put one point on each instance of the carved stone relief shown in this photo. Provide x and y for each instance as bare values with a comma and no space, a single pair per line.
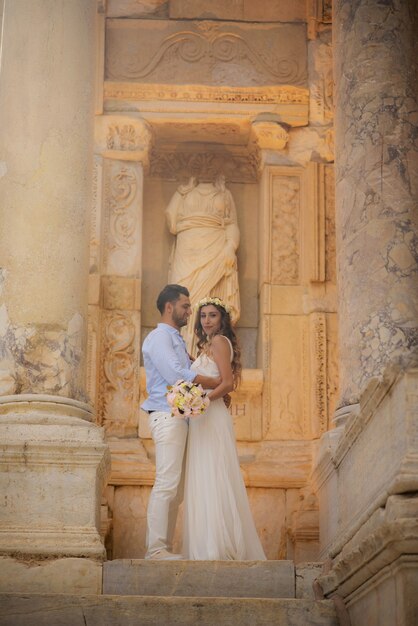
330,243
118,391
122,204
95,218
206,52
332,365
321,80
269,135
319,373
285,244
207,164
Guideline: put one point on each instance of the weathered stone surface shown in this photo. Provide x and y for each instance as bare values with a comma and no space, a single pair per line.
16,610
129,508
376,187
369,478
71,575
236,579
45,192
388,598
208,9
305,574
376,455
262,11
137,8
53,467
227,54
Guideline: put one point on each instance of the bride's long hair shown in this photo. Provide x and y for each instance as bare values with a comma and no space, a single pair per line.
225,329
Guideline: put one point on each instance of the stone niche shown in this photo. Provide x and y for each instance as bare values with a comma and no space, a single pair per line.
198,97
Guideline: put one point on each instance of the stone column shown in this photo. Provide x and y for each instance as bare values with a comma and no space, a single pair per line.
376,76
54,459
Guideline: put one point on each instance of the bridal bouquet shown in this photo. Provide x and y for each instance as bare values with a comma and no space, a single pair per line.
187,399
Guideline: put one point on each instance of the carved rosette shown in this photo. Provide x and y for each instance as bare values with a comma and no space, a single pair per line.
285,238
118,391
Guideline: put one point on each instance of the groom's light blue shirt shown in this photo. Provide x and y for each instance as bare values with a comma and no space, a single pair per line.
166,361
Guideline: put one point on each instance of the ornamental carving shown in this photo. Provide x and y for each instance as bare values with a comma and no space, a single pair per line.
132,137
206,165
285,245
205,52
95,216
322,89
122,137
221,95
330,236
270,135
121,189
118,371
319,353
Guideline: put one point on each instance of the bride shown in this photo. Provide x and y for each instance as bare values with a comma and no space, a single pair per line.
218,524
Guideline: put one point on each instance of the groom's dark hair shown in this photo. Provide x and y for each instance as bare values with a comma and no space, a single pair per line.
170,293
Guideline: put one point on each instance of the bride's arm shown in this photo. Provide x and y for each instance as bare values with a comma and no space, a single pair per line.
221,354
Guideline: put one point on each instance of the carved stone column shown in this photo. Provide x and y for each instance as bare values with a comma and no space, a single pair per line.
54,459
122,153
376,76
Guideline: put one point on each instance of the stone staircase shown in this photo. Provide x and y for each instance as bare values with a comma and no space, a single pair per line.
187,593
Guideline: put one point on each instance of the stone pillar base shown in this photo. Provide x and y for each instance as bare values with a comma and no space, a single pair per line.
53,468
67,575
372,525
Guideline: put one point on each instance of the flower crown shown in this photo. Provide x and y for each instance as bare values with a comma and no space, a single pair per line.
217,301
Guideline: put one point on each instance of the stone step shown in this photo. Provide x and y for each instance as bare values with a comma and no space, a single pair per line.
235,579
70,610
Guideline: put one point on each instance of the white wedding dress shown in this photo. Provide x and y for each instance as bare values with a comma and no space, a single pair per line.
218,523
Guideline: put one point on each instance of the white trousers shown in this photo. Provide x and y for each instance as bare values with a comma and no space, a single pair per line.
169,435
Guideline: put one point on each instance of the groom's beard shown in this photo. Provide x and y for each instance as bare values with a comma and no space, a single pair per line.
179,321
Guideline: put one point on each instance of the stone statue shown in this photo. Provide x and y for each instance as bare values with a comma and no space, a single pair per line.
202,216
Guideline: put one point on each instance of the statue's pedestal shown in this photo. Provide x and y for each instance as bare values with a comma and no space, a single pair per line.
53,468
370,528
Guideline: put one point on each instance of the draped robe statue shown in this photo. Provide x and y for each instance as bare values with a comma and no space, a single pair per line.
202,216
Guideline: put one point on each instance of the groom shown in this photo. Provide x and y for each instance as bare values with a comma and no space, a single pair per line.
166,361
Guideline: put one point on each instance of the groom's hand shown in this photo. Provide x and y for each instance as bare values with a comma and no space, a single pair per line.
207,382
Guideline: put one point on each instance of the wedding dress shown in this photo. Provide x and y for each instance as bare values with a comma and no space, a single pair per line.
218,523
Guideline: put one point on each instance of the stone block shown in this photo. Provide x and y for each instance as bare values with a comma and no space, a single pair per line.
130,521
119,292
239,56
376,456
306,573
236,579
52,471
137,8
71,575
208,9
69,610
388,598
275,11
268,507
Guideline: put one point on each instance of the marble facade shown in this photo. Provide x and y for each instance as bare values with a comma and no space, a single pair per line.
249,116
325,418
